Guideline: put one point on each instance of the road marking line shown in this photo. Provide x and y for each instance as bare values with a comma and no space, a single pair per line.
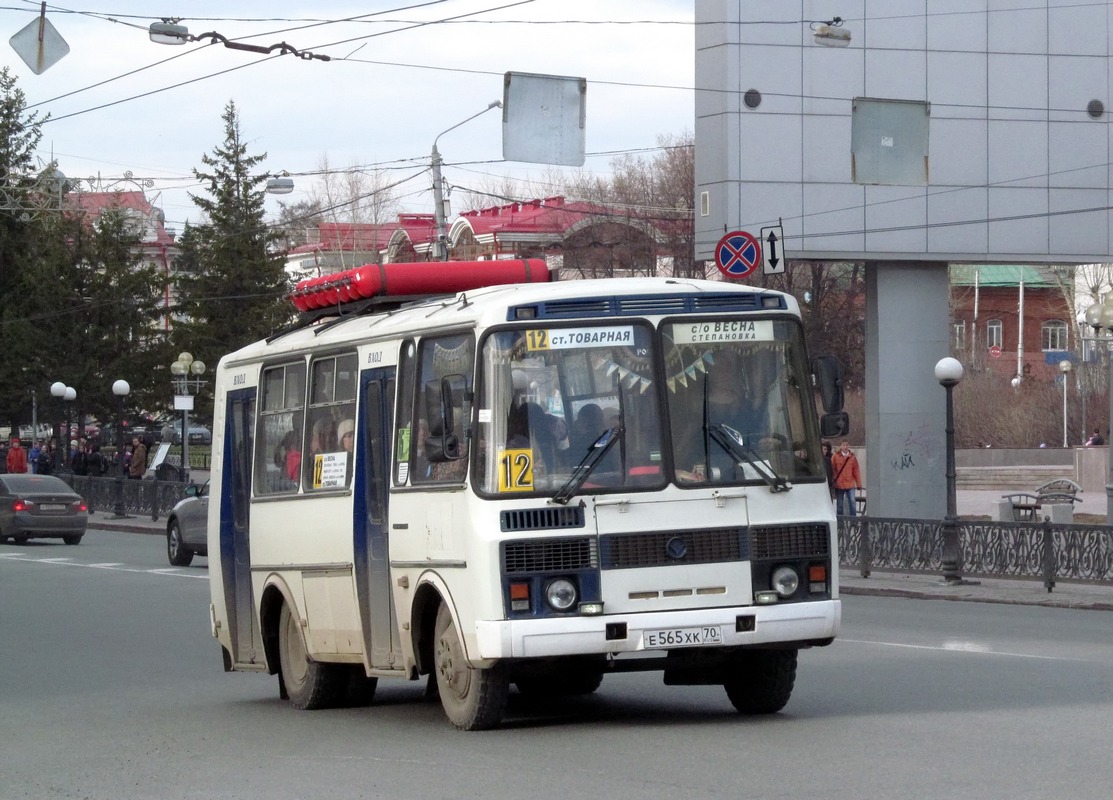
112,567
962,647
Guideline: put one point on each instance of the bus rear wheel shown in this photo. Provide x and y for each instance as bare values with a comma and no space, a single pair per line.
309,684
761,681
473,699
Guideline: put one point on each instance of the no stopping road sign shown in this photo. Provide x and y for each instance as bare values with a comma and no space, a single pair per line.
738,254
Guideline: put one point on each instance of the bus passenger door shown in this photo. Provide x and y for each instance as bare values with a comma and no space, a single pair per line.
371,545
235,538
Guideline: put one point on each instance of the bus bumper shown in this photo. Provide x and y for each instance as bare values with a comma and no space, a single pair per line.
580,635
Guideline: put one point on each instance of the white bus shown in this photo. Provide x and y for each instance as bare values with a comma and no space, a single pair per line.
523,487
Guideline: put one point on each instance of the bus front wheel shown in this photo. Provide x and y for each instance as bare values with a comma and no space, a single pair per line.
761,681
473,699
309,684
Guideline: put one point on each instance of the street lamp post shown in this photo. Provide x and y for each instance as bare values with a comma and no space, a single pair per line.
1065,368
948,371
182,368
1099,316
58,389
68,398
120,388
440,213
66,394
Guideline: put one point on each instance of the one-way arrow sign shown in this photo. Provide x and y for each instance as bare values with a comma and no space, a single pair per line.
772,250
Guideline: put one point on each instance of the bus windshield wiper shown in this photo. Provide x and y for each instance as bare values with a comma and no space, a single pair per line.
580,473
731,441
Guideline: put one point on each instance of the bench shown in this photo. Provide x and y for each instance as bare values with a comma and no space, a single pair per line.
1061,491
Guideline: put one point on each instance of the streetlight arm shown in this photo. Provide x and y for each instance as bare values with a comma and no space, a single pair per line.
492,104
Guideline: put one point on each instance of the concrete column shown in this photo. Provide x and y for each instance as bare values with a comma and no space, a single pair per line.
907,332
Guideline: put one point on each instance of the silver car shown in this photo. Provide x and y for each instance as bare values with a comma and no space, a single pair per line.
40,507
186,526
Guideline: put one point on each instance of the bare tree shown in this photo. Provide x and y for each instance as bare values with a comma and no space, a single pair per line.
354,195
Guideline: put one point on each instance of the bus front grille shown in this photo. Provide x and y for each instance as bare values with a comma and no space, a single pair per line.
667,548
790,541
549,555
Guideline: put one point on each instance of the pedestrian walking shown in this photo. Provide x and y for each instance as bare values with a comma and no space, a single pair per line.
44,464
138,465
17,458
847,480
33,456
79,464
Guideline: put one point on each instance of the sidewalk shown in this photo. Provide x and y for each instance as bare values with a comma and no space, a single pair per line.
927,586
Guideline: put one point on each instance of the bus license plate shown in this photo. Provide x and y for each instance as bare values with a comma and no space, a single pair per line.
683,637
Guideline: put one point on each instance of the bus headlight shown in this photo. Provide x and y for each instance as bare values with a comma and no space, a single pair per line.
561,594
785,581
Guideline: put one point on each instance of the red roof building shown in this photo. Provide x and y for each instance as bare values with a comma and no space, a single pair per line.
579,239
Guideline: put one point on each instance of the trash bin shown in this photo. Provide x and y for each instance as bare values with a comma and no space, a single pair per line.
167,472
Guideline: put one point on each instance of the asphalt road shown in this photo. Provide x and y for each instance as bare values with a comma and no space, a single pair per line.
113,688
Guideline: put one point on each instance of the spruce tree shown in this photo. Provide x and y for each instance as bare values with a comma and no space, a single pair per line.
232,287
21,237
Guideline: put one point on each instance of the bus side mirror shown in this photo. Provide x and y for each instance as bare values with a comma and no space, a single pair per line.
828,375
835,425
443,399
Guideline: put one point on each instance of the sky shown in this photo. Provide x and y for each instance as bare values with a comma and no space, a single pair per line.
126,111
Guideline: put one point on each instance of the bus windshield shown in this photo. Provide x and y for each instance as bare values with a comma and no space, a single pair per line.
552,395
577,409
740,402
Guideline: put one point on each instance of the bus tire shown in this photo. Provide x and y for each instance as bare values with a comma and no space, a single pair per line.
761,681
473,699
309,684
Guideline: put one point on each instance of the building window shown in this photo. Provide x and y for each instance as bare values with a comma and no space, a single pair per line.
1054,335
993,330
958,336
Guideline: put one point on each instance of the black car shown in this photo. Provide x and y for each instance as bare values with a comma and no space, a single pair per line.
198,434
40,507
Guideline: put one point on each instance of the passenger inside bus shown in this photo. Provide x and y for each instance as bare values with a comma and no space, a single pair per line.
739,392
589,425
287,456
531,427
324,438
346,431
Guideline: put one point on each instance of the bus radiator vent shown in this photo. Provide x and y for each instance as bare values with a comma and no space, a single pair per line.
790,541
542,519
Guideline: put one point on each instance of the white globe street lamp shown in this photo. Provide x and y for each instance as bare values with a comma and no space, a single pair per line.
121,389
948,371
1065,368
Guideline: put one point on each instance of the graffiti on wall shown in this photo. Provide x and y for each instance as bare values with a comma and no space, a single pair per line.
916,450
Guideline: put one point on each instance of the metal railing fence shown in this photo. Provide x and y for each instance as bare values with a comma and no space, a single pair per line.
988,549
152,499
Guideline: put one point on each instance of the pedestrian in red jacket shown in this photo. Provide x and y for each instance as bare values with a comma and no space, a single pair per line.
17,458
847,479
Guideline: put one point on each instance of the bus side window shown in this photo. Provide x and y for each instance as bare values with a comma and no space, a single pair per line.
446,367
279,434
332,393
403,446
